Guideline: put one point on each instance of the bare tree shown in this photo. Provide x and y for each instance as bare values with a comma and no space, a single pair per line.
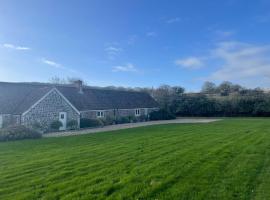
209,87
68,80
57,80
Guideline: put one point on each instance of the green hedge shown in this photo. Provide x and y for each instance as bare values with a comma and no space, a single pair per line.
72,124
88,123
18,133
161,115
55,125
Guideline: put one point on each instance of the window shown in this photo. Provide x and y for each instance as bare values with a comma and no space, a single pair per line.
62,116
1,121
100,114
145,111
137,112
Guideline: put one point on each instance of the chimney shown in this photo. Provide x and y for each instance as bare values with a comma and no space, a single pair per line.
79,85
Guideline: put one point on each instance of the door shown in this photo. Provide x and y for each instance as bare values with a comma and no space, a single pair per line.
1,121
63,119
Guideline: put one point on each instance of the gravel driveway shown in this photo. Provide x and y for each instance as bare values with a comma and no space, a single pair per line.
131,125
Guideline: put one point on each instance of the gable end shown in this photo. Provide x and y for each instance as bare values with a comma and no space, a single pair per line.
46,95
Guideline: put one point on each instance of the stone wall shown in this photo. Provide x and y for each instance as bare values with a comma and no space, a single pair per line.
10,120
92,114
47,111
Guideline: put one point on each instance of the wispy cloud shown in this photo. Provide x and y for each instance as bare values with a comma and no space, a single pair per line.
241,61
190,62
58,66
52,63
113,51
125,68
15,47
263,18
223,34
151,34
173,20
132,39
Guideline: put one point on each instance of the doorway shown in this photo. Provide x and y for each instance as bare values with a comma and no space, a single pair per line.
63,120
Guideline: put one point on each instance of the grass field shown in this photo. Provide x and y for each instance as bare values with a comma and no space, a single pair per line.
229,159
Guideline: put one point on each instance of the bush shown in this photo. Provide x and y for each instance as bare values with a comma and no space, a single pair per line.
55,125
72,124
18,133
123,120
87,123
143,118
161,115
108,121
133,119
37,127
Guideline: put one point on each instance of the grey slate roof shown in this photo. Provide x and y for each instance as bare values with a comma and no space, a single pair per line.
16,98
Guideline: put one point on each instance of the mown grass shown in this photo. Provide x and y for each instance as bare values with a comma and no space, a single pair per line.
229,159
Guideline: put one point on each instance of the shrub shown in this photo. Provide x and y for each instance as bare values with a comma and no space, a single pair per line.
18,133
72,124
108,121
87,123
143,118
161,115
55,125
37,127
123,120
133,119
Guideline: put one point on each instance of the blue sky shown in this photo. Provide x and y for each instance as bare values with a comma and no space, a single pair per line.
136,42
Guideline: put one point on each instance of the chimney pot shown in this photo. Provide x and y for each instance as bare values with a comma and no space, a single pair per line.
79,85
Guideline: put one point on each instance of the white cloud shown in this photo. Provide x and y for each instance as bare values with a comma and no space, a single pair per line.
125,68
263,18
224,34
173,20
12,46
241,62
52,63
244,63
58,66
113,51
151,34
132,39
190,62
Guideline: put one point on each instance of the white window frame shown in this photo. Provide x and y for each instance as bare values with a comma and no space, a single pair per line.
137,112
1,121
146,111
100,114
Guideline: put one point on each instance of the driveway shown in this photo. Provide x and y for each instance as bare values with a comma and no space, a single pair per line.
131,125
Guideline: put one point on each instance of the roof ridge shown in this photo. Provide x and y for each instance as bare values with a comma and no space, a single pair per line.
85,87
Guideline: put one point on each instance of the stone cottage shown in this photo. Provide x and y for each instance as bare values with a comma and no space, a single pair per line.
37,103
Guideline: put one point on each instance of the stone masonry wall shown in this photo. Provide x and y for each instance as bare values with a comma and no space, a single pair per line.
48,111
92,114
10,120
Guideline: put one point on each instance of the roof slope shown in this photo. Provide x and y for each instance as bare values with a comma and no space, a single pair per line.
101,99
16,98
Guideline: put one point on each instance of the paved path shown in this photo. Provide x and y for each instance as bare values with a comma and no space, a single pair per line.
131,125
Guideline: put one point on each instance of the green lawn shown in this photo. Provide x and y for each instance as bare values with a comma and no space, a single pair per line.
229,159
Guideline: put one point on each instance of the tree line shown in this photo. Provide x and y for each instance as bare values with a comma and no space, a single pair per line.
226,99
